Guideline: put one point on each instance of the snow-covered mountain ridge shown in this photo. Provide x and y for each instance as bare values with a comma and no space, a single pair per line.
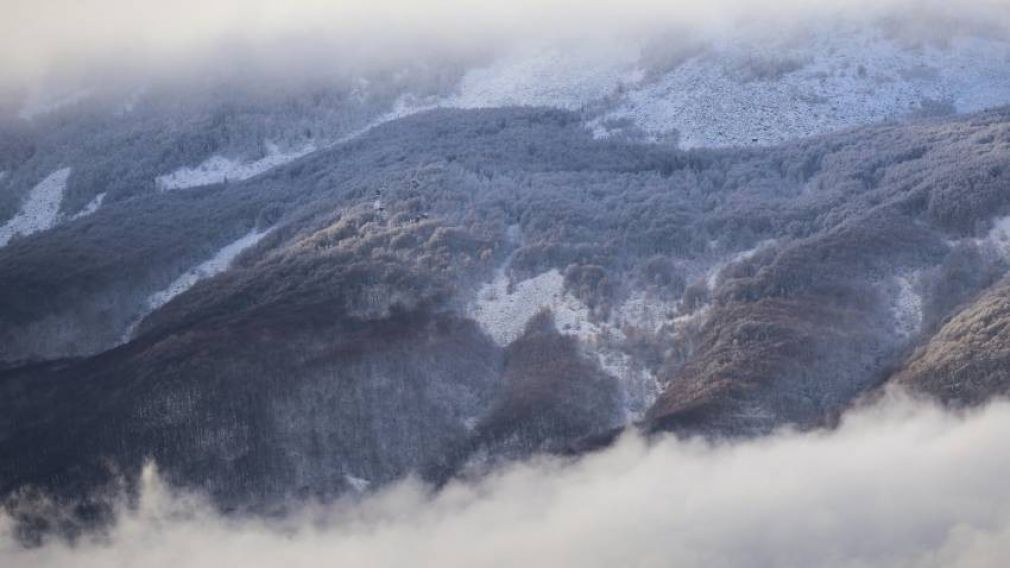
735,92
730,92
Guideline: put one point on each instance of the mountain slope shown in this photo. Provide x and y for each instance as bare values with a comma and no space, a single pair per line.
457,288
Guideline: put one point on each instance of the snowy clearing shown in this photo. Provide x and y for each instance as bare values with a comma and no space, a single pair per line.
40,210
504,315
218,169
217,264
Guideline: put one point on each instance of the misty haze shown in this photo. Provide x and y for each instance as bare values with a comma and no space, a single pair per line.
460,283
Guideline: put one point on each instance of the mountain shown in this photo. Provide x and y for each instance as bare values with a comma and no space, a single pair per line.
295,296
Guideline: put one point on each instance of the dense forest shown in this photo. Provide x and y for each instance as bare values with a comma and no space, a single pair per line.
342,350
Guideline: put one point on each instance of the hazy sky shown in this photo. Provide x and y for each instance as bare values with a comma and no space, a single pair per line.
37,36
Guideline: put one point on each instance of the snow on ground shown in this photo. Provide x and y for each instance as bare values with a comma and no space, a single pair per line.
503,314
721,96
91,207
644,312
218,169
531,76
548,76
907,307
40,210
405,105
503,308
217,264
844,79
740,90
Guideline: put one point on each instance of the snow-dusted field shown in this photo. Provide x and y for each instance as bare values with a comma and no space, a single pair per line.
40,210
218,169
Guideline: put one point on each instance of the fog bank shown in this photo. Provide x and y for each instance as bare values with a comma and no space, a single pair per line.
64,40
899,484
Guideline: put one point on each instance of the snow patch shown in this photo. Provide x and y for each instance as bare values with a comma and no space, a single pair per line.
91,207
531,76
503,309
405,105
639,386
504,313
40,210
907,308
218,169
646,313
217,264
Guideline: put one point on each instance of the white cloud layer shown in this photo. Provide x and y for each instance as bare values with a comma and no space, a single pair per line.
897,485
67,37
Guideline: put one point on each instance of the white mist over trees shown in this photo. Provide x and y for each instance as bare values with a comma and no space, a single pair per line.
63,41
265,270
899,484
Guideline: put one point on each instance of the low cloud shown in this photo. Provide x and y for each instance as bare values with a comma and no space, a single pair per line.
899,484
64,40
